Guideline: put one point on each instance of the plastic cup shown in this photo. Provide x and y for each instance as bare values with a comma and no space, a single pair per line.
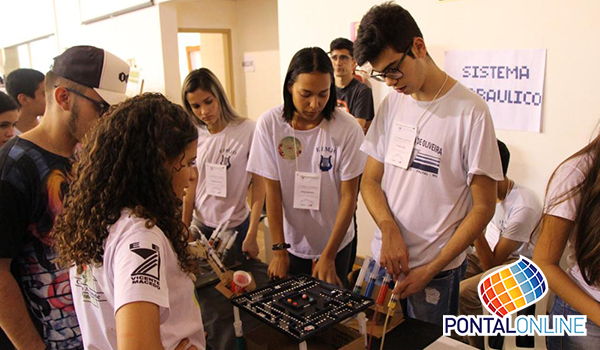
241,280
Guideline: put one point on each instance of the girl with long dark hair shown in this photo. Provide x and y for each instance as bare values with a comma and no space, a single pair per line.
571,221
307,151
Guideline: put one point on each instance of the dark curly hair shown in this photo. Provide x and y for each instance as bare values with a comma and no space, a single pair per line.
123,165
388,24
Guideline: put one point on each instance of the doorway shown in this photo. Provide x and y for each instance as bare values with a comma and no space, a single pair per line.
207,48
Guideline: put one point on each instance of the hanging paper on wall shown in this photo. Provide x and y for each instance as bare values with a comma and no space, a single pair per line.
510,81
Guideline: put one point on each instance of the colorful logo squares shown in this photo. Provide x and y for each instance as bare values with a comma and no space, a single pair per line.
513,287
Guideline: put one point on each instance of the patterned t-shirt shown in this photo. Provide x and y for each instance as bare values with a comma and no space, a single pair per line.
33,183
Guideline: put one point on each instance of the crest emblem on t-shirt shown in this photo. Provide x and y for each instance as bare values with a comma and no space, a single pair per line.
86,283
225,160
325,163
287,150
149,270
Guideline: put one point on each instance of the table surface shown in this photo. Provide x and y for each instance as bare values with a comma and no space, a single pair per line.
217,316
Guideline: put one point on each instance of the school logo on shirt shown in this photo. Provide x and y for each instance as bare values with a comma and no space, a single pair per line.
149,270
287,150
86,283
325,163
426,163
225,160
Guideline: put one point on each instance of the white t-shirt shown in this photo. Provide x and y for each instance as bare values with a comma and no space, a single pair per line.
567,176
139,265
230,147
455,141
332,149
516,217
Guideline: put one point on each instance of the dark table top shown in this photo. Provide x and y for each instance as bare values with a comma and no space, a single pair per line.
217,316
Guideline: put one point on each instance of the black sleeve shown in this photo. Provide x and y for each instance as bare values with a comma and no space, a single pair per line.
363,105
13,220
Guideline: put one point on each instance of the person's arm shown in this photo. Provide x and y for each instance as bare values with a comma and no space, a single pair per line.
364,124
278,268
518,227
138,327
257,201
483,194
394,253
14,318
498,256
549,248
189,201
325,267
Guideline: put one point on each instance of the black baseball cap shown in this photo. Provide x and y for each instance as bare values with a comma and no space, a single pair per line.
95,68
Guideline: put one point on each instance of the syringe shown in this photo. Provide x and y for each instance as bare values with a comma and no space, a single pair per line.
372,280
361,275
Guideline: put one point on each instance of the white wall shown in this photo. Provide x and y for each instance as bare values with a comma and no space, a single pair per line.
259,39
135,35
253,25
571,106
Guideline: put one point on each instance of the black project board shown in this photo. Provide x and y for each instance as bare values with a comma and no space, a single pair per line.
302,306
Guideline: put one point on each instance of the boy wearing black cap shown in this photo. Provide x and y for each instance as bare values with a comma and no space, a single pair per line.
34,176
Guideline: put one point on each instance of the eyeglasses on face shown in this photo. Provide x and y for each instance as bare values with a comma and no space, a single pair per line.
392,73
101,106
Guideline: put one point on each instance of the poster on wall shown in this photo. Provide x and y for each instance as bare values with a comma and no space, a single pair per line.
510,81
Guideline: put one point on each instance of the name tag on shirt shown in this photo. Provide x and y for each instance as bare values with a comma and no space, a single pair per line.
402,142
216,180
307,190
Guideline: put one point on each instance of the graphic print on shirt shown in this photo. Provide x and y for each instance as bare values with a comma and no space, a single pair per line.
225,160
86,285
325,163
326,159
287,150
426,163
343,106
149,270
46,285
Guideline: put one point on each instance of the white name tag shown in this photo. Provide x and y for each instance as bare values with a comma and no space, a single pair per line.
402,142
307,190
216,180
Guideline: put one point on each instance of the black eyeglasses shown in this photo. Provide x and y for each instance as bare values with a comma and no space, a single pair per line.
100,105
392,73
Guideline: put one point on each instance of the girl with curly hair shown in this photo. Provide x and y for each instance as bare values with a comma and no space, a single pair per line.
571,222
121,230
224,140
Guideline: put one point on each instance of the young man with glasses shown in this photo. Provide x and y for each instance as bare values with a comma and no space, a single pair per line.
353,96
430,179
35,168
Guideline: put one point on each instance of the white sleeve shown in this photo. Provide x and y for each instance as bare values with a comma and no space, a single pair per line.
521,224
483,156
374,144
139,270
352,160
566,177
262,160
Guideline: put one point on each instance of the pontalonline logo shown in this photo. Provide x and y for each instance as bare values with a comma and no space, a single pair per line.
505,292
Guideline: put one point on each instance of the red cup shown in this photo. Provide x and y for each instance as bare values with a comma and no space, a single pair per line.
241,280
